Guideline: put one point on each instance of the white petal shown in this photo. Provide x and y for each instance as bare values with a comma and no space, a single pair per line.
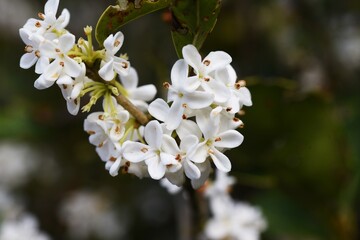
109,43
121,66
200,153
136,152
52,72
189,143
218,60
130,81
175,115
192,56
155,167
41,64
222,93
179,73
191,170
118,40
145,93
42,83
168,159
229,139
65,80
198,99
207,126
245,96
107,71
63,19
220,160
190,84
51,7
188,127
159,109
153,134
169,145
28,60
66,42
73,106
71,67
114,169
24,34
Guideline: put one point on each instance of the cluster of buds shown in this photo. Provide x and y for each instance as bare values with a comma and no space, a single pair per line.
189,131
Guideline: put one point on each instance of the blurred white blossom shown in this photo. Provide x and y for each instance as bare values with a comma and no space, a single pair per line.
90,214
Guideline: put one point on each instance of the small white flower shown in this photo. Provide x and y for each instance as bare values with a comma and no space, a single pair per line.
24,228
62,65
111,64
49,25
215,141
205,68
71,92
154,156
137,95
106,130
234,220
32,52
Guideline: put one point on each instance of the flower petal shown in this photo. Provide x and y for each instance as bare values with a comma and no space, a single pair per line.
179,73
51,7
169,145
145,93
28,60
199,154
107,71
220,160
229,139
216,60
131,80
155,167
136,152
198,99
222,93
153,134
189,143
175,115
192,56
186,128
191,170
66,42
42,83
206,125
159,109
114,169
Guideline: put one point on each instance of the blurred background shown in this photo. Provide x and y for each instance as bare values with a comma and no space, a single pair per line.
300,161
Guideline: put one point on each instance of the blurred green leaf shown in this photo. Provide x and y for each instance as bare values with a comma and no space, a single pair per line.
192,21
116,16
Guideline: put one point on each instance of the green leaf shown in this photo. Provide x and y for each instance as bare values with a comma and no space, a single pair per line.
192,21
116,16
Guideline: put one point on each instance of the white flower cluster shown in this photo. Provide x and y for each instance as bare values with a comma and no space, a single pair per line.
231,219
194,127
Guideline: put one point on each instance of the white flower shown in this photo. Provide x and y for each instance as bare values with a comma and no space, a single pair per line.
106,130
71,92
221,185
62,68
89,214
32,52
24,228
215,140
240,95
154,156
205,68
137,95
111,64
49,25
234,220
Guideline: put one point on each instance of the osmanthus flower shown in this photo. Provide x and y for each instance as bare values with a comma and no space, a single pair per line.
71,92
111,64
234,220
216,139
117,161
63,67
152,153
139,96
183,94
106,130
205,68
32,52
49,26
239,95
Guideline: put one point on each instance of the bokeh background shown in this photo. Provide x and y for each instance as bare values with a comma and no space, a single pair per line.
300,161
